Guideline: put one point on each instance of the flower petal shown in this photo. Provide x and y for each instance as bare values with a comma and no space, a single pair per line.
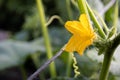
73,26
84,21
83,46
70,46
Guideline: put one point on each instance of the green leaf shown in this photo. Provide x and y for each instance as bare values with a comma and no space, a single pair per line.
13,53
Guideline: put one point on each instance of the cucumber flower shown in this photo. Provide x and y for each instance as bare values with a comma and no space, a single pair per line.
83,34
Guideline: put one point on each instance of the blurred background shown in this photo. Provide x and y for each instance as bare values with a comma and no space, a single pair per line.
22,48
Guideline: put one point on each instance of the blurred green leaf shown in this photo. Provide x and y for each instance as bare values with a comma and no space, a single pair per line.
13,53
22,36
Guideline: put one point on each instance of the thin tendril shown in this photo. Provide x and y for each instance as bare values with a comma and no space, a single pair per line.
54,17
75,66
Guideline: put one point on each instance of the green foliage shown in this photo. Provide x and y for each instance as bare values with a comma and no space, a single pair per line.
14,53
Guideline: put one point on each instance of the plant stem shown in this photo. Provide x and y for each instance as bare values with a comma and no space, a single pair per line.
106,64
108,57
46,36
82,6
68,69
109,52
103,22
96,23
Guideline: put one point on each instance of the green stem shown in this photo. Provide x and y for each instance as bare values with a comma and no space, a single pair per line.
106,65
96,23
23,72
82,6
103,22
68,71
110,51
108,57
46,36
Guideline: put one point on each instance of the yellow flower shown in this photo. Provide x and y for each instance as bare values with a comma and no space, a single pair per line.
83,34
